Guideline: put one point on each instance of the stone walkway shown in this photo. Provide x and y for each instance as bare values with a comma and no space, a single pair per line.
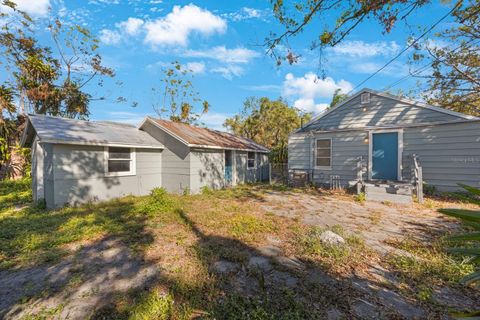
375,222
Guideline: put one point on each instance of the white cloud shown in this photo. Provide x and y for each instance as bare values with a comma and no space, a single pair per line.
229,71
309,87
397,69
309,105
177,26
110,36
131,26
196,67
35,8
214,120
365,49
246,13
156,1
221,53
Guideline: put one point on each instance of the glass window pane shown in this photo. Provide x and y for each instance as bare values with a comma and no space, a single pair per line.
118,165
251,163
324,143
119,153
251,156
323,152
323,162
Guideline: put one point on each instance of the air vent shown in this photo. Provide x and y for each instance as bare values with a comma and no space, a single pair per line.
365,98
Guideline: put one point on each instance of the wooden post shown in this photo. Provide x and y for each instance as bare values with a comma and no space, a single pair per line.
420,185
270,173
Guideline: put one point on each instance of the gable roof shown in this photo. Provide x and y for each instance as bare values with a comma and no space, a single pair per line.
449,115
193,136
80,132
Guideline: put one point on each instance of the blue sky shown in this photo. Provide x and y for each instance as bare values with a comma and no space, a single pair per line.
222,42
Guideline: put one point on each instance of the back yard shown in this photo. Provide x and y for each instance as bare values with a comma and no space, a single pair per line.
252,252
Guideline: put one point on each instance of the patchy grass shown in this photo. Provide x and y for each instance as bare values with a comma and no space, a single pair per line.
31,236
336,258
429,264
184,235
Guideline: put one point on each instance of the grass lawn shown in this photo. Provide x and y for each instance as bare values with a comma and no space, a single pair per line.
203,247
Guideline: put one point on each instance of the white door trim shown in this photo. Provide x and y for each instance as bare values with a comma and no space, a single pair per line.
400,151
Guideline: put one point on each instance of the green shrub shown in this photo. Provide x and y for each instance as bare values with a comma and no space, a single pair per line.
158,202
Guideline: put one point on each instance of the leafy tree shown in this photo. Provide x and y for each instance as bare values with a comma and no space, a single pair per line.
178,98
43,79
471,239
338,97
268,122
295,16
454,82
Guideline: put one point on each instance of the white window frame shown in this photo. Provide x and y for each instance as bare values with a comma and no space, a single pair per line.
331,155
400,151
133,164
254,160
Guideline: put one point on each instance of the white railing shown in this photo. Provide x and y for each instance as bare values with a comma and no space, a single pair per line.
418,178
359,174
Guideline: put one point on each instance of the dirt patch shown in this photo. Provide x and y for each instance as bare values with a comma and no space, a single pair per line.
375,222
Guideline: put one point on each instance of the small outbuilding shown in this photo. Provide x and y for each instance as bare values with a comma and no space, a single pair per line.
76,161
377,138
197,157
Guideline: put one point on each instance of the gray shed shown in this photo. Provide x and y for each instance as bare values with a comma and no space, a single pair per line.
380,138
76,161
195,157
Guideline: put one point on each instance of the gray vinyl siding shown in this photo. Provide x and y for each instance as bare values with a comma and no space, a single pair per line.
37,171
299,150
346,148
207,168
381,111
449,154
175,160
48,178
78,173
240,171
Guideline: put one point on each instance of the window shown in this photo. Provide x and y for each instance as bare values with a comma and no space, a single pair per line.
251,160
324,153
119,161
365,98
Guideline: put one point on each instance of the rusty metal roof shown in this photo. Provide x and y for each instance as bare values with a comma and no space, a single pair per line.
208,138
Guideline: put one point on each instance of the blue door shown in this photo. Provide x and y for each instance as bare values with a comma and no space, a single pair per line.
385,156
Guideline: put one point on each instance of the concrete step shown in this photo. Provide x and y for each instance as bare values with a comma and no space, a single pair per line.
404,190
388,197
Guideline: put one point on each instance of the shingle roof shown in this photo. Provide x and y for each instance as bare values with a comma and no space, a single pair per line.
71,131
203,137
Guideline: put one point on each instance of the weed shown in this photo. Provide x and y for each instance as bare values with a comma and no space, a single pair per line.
248,226
360,197
334,257
429,264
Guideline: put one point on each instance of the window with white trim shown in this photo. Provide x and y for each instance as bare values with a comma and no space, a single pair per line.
119,161
323,153
251,160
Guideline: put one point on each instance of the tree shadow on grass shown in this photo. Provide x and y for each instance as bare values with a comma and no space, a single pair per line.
34,240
